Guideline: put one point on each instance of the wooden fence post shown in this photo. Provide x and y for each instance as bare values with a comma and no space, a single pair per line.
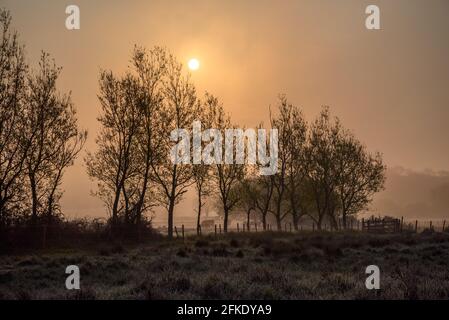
219,227
290,227
182,228
363,224
416,226
402,223
238,228
430,225
444,225
215,230
176,231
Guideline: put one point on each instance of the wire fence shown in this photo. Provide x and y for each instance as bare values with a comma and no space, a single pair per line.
371,225
41,235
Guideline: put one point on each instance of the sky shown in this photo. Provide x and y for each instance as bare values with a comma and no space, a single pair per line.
389,86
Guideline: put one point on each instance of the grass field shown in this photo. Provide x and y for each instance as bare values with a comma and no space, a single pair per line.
238,266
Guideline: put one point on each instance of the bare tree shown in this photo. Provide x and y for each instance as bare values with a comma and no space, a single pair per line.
150,67
359,175
114,164
248,190
202,172
264,200
226,175
201,176
284,122
340,172
321,166
13,148
296,169
53,137
68,142
179,110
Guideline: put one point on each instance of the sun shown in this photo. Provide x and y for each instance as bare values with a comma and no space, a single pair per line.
194,64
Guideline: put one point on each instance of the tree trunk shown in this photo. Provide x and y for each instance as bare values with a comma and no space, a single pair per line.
127,213
248,213
198,221
2,213
278,214
225,222
319,222
295,221
344,221
279,222
50,209
33,198
115,206
138,210
171,208
264,221
333,222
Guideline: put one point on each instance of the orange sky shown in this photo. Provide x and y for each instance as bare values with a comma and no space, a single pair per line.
389,86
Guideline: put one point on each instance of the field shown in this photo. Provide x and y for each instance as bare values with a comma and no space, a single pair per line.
238,266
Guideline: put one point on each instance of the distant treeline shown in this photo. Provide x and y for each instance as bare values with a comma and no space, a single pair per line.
323,173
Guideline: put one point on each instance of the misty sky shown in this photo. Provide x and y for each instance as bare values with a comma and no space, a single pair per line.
390,87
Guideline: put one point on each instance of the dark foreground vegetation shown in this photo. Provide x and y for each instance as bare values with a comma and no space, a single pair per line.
264,265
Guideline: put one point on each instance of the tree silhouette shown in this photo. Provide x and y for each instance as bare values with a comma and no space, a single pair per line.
13,148
52,134
128,147
179,110
359,175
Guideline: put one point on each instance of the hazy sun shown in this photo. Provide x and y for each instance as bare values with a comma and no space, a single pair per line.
194,64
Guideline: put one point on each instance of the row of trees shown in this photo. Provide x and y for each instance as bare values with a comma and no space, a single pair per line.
139,110
324,172
39,136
